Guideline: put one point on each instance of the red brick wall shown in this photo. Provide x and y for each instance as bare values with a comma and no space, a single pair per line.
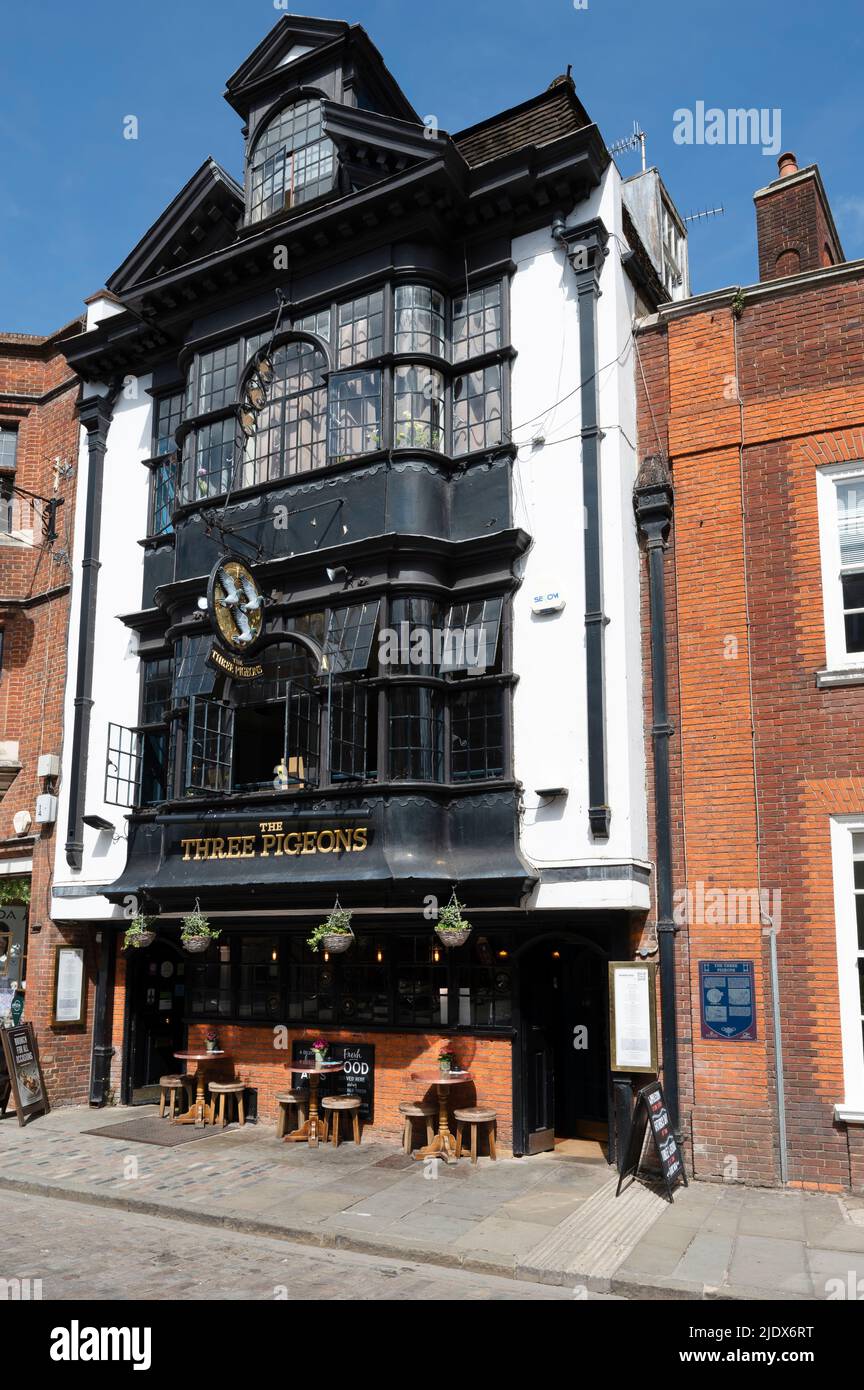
34,671
255,1061
793,230
745,607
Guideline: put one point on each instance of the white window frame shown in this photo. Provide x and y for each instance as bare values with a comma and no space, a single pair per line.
827,478
842,829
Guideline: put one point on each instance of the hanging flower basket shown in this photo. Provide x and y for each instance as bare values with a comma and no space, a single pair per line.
335,934
196,933
451,927
139,933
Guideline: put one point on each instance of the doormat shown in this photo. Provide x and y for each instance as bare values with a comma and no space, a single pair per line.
151,1130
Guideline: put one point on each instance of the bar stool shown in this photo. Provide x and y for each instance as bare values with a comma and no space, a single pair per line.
168,1088
417,1110
285,1099
337,1105
223,1090
475,1115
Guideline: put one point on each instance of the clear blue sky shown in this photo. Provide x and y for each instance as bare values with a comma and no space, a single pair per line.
75,196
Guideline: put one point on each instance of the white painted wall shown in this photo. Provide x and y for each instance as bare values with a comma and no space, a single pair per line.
116,667
550,736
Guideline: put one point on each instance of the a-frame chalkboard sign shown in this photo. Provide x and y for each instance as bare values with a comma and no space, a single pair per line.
650,1112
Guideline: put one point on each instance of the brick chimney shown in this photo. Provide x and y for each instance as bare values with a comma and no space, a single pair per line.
795,231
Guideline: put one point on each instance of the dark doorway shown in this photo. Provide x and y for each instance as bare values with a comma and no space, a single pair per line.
156,1019
564,1044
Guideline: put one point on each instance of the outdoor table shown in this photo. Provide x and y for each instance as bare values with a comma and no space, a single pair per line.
200,1112
443,1145
309,1132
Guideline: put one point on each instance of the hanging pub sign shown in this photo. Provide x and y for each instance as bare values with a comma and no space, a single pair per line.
633,1016
356,1079
727,999
235,605
25,1073
651,1112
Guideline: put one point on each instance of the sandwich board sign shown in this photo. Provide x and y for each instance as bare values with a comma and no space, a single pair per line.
651,1112
25,1073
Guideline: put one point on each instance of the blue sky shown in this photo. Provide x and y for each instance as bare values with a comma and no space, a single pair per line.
76,196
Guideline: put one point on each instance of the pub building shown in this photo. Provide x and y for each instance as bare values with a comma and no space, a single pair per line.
357,609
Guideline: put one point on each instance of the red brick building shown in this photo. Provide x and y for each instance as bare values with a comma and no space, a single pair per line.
753,399
38,468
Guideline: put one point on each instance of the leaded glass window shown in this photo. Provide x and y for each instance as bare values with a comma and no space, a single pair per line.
477,410
418,408
355,415
292,162
419,320
361,329
477,322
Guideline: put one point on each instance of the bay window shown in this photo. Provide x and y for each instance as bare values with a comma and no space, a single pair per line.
418,406
420,320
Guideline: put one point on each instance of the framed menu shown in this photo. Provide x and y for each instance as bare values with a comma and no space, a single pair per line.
633,1016
25,1072
69,986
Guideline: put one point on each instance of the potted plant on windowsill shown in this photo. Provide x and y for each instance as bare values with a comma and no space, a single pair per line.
334,934
447,1061
196,932
139,932
451,927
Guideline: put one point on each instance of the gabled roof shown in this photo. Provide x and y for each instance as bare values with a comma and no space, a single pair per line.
268,69
202,218
555,112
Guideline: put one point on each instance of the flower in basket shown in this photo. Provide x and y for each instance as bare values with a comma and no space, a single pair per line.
196,932
451,926
337,927
139,932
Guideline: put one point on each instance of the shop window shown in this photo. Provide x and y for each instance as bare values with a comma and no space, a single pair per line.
364,982
420,972
208,459
416,734
167,415
419,320
122,766
485,982
349,637
258,974
311,995
477,734
209,983
477,323
163,495
471,633
355,415
477,410
292,161
361,330
209,752
418,408
415,622
218,373
291,431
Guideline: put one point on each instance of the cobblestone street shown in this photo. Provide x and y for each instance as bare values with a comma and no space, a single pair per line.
147,1258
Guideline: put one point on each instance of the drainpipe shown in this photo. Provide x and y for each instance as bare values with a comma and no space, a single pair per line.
586,249
95,415
653,501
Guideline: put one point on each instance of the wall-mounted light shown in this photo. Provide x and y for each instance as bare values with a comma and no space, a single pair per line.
338,574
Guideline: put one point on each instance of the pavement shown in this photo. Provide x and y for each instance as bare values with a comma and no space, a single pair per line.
550,1220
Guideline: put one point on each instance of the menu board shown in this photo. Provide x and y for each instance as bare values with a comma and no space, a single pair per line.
633,1016
357,1078
727,997
69,988
651,1113
25,1073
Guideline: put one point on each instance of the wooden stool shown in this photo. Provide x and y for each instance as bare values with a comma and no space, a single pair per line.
475,1116
417,1111
337,1104
169,1086
286,1098
219,1090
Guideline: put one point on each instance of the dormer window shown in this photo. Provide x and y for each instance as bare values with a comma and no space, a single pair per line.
292,161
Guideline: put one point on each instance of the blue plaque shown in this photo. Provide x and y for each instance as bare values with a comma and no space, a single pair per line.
727,998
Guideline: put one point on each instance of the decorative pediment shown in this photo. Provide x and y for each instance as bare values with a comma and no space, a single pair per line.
292,38
203,218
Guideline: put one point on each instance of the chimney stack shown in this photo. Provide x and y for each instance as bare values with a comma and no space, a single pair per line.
795,230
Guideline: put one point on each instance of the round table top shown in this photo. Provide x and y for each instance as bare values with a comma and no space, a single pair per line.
441,1078
318,1071
199,1056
